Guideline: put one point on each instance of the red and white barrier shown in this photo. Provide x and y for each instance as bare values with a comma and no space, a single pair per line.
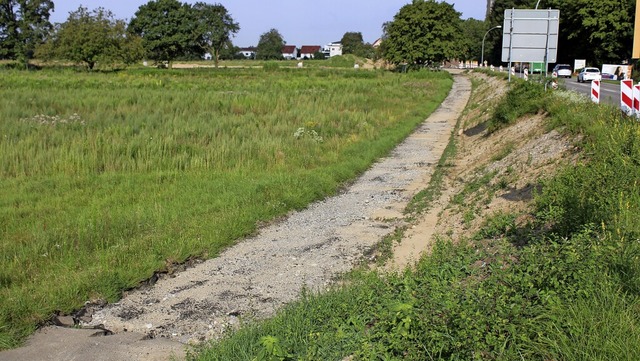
595,91
636,100
626,96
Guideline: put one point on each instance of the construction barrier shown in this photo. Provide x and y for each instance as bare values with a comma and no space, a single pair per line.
626,96
595,91
636,100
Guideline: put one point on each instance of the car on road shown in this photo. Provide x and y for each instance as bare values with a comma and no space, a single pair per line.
589,74
562,71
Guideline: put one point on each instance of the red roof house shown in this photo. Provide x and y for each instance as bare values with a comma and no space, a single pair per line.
307,51
289,52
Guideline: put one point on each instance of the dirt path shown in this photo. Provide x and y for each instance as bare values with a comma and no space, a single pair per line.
258,275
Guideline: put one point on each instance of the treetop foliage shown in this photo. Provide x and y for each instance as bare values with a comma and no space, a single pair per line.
23,25
597,31
168,29
270,45
217,27
92,37
423,32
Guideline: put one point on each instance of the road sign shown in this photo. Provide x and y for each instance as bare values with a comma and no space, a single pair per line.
595,91
530,35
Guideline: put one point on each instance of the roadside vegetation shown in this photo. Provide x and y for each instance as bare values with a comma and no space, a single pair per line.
558,282
106,178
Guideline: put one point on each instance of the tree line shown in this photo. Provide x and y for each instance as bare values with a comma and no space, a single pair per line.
422,33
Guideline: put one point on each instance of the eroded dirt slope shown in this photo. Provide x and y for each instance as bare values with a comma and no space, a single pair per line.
514,160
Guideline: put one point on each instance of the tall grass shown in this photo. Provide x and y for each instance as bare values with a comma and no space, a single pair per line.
565,286
108,177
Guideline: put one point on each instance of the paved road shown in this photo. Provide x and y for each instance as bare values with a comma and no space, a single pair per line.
609,93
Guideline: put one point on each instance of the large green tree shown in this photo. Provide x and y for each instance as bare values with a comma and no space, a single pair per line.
353,43
169,29
474,31
217,27
92,37
270,45
423,32
23,25
599,31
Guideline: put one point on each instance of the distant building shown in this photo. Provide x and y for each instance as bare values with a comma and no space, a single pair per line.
289,52
309,51
249,53
332,49
377,43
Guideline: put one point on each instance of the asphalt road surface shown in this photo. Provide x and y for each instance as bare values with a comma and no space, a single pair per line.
609,92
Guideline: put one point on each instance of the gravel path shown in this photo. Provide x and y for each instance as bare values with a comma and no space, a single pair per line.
258,275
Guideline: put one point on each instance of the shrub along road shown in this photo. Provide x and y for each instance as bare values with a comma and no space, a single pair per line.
254,278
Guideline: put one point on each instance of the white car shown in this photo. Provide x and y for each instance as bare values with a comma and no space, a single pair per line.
562,71
589,74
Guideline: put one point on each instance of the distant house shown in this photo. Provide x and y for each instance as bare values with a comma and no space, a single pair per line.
308,51
289,52
249,53
377,43
332,49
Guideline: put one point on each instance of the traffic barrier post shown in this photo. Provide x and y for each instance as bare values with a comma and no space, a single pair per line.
626,96
595,91
636,100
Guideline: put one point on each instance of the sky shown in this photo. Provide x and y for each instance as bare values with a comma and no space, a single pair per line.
300,22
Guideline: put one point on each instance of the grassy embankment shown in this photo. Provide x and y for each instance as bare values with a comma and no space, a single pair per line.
564,285
108,177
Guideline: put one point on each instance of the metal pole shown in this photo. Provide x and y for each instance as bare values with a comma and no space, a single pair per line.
483,38
510,42
546,50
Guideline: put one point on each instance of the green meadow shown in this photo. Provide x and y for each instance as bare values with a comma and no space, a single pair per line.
106,178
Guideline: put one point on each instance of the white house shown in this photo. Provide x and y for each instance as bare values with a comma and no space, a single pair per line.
249,53
289,52
308,51
332,49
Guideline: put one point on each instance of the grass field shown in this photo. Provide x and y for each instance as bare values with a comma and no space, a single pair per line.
108,177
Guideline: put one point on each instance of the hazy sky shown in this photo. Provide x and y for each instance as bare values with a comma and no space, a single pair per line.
300,22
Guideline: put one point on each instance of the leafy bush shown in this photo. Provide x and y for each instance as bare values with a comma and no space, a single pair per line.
523,98
341,61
